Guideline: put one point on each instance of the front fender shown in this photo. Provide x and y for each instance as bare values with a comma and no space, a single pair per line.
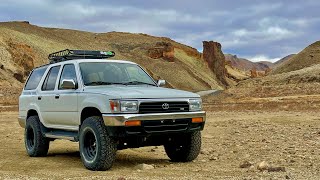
99,101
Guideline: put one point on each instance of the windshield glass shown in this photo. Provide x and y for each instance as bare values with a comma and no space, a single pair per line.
107,73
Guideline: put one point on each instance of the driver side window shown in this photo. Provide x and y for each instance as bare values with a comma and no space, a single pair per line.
68,72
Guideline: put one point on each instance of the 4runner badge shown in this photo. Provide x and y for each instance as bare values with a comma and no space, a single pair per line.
165,106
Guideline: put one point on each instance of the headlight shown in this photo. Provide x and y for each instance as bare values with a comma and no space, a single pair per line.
195,104
118,106
128,106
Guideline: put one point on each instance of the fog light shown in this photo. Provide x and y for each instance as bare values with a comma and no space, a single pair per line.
133,123
197,120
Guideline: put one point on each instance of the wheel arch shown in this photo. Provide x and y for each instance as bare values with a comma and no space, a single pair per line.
32,112
88,112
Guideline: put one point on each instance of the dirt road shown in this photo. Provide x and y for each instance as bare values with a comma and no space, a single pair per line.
287,140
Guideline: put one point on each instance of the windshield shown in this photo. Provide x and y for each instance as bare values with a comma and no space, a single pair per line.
107,73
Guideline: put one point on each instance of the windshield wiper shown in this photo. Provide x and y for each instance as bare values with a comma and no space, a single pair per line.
138,82
96,83
100,83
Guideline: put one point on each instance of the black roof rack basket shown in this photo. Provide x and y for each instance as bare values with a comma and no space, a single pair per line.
68,54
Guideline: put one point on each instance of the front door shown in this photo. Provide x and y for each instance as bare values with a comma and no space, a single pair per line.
67,99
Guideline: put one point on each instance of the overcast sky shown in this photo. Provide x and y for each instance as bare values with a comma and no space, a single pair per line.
258,30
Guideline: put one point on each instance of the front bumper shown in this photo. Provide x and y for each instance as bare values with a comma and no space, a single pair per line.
120,119
153,124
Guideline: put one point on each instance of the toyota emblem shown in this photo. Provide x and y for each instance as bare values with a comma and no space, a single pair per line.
165,106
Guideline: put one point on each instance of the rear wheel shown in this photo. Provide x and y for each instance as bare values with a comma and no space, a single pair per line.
97,149
36,144
185,147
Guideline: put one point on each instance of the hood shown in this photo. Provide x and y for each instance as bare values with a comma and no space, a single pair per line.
139,92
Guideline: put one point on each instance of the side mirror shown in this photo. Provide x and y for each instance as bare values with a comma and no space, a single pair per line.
161,82
68,84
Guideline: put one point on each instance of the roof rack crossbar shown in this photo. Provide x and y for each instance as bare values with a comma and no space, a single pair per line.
67,54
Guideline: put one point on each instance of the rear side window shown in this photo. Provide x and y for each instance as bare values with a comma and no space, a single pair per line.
50,81
35,78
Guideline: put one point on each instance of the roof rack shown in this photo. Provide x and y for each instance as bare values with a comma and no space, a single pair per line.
67,54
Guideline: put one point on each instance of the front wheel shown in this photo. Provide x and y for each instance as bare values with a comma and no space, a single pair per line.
97,149
185,147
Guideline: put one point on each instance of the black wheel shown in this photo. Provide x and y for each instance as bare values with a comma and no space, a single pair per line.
97,149
36,144
184,148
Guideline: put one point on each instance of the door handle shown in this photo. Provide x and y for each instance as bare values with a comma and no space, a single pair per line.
39,97
57,96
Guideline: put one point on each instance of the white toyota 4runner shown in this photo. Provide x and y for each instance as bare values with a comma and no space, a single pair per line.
106,105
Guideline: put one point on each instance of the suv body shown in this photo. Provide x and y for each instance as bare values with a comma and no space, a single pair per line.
85,100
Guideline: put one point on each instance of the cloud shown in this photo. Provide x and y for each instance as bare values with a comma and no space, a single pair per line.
240,32
258,58
265,30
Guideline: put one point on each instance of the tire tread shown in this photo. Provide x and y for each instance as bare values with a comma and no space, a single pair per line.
108,145
41,146
191,147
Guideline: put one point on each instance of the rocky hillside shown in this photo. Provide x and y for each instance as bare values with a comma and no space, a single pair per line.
24,46
243,64
291,81
282,60
247,65
308,57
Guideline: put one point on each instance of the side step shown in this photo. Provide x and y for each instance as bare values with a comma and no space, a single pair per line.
60,134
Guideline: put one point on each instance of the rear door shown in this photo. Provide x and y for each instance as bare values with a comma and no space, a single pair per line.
47,97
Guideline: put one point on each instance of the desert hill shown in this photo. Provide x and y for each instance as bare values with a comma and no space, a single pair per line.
247,65
242,68
243,64
307,57
282,60
24,46
294,81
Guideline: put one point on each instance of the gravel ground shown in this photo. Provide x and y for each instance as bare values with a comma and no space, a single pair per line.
283,145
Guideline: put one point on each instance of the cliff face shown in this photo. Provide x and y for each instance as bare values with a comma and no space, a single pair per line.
213,55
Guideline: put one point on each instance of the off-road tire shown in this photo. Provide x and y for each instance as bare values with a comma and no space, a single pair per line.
36,144
97,149
185,147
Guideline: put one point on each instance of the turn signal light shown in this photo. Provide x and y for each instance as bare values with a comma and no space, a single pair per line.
133,123
197,120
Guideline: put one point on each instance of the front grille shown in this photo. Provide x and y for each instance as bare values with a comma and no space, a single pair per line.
163,107
166,125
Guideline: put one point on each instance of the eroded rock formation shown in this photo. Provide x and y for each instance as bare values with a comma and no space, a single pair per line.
163,50
253,73
213,55
22,55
